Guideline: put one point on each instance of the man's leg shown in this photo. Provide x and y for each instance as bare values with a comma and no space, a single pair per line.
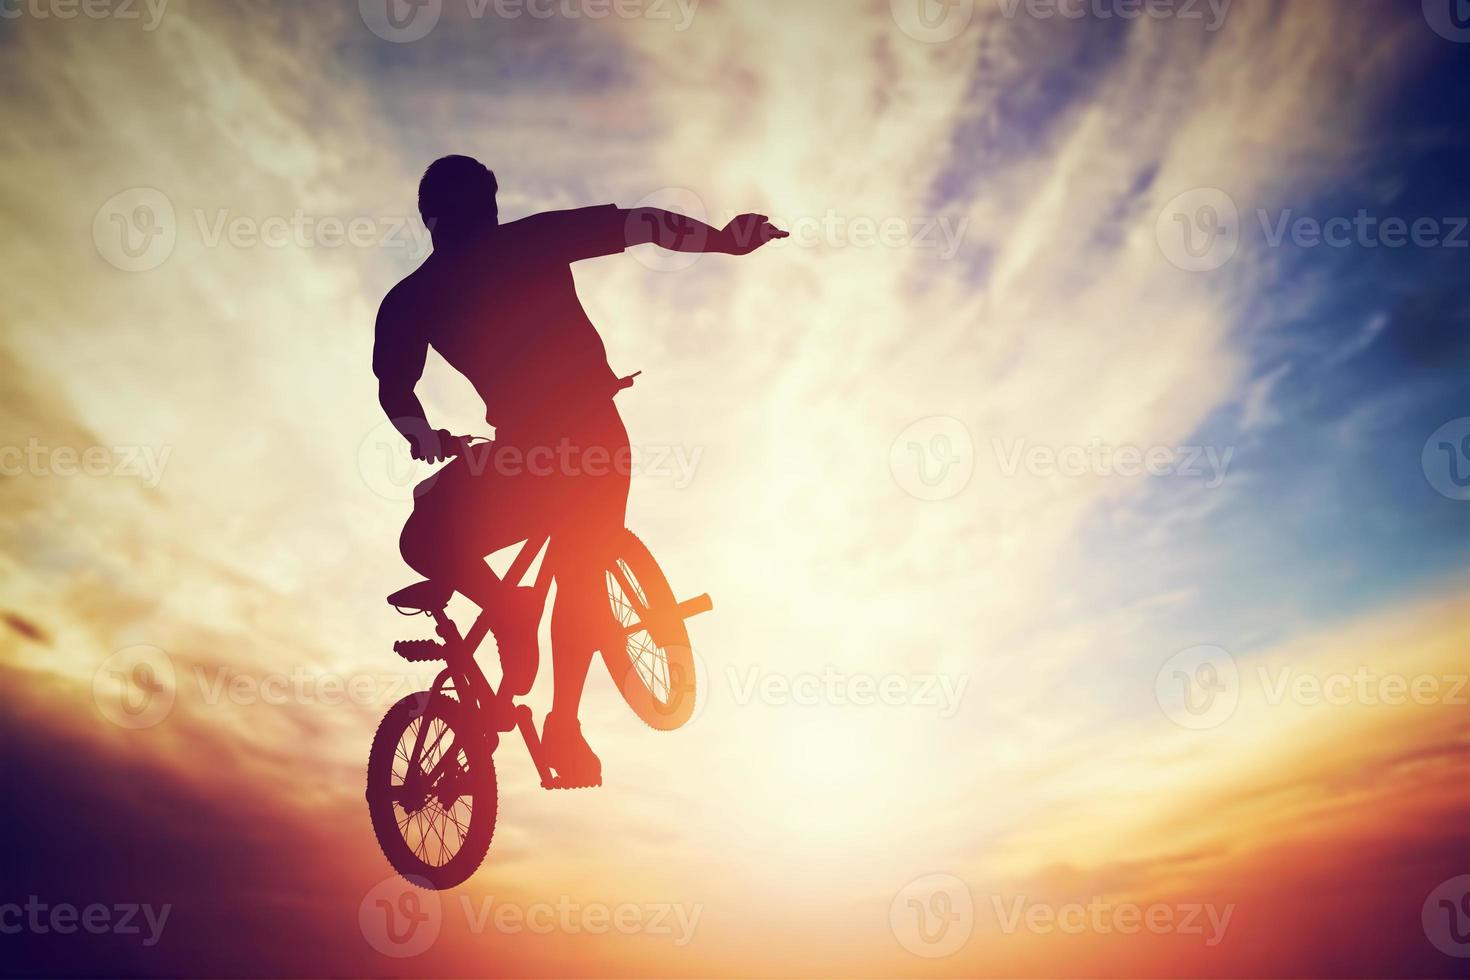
581,624
458,519
582,621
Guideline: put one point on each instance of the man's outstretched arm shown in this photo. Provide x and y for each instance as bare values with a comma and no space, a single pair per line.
681,233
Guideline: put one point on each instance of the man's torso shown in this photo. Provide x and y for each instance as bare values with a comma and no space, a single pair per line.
503,311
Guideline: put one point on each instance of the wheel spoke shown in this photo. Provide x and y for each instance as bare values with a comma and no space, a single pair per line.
434,826
629,587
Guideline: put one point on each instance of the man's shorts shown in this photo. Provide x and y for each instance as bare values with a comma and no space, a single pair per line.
570,482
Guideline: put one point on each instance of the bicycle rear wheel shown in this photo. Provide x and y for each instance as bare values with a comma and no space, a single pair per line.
433,815
654,667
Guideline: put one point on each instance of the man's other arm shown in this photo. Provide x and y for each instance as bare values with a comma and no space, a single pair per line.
399,353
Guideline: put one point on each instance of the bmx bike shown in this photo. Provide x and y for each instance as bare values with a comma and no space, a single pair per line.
431,787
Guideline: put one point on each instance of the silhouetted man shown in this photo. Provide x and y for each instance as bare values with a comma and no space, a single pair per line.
499,305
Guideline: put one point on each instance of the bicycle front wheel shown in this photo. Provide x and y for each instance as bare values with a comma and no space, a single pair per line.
431,790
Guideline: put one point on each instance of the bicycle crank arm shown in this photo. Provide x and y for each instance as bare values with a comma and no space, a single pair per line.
527,724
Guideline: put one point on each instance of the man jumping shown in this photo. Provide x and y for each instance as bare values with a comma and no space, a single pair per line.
499,305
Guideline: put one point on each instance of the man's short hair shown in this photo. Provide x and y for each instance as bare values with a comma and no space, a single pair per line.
455,184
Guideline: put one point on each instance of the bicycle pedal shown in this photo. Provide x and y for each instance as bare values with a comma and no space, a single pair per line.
556,782
417,651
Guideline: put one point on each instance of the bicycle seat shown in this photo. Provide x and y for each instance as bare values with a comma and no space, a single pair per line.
425,596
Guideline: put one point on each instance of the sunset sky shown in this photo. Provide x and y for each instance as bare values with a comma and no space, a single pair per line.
970,657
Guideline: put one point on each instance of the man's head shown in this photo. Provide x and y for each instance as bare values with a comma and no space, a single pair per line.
457,197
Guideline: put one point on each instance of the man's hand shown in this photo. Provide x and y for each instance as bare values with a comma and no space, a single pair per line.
747,232
437,445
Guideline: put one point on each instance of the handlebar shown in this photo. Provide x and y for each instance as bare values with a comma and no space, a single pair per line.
462,444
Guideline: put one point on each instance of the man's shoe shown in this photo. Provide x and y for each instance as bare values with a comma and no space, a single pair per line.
567,752
517,637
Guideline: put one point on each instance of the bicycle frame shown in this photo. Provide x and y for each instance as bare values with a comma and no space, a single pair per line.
462,673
